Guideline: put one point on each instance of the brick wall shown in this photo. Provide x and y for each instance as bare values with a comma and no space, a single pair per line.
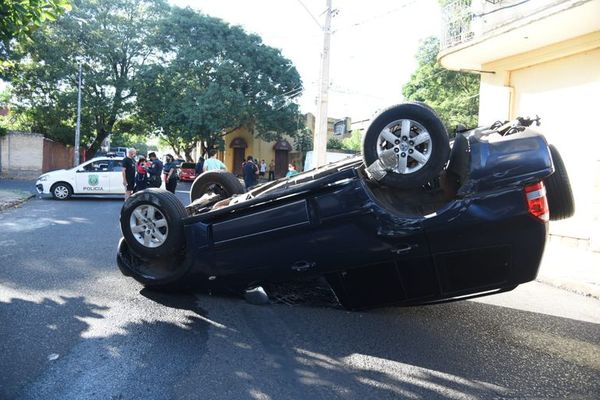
27,155
56,156
21,155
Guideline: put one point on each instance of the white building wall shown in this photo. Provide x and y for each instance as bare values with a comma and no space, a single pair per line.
565,93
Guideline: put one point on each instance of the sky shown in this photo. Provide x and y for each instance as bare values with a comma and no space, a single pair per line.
373,44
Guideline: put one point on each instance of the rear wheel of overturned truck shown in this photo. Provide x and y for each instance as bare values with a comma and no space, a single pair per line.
558,189
219,183
151,250
406,146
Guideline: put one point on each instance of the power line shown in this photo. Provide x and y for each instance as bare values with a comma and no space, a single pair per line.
375,17
311,14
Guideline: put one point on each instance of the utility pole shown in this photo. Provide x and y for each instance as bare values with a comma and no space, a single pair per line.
78,126
320,134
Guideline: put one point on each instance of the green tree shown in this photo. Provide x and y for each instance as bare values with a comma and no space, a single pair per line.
354,142
334,144
213,79
130,132
113,40
303,140
20,18
454,95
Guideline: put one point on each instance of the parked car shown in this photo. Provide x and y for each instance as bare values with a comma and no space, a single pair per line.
409,223
187,172
100,175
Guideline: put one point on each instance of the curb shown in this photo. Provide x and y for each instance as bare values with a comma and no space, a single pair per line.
15,203
580,288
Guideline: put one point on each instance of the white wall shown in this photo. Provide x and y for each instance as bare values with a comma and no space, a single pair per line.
565,93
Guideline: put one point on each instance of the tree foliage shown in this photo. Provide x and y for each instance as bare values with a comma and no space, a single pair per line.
110,38
354,142
215,78
303,140
454,95
334,144
20,18
177,73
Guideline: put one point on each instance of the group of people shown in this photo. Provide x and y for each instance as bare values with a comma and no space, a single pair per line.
142,174
252,170
152,172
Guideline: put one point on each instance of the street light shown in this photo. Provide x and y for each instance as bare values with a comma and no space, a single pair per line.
78,125
81,22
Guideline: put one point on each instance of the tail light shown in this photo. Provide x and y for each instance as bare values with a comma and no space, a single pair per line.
537,202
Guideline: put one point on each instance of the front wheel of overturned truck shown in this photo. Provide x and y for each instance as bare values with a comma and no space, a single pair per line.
153,239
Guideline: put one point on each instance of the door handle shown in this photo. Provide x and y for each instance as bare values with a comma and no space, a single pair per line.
301,266
405,248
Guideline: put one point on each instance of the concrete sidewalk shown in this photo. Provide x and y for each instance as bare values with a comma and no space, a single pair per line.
12,198
15,192
570,267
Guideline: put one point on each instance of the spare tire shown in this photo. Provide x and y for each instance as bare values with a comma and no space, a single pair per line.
222,183
558,189
151,223
416,135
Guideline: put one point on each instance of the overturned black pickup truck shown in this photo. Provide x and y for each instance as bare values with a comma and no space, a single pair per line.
414,221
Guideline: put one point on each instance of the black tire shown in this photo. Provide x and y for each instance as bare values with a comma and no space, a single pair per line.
160,213
223,183
437,148
61,191
558,189
164,273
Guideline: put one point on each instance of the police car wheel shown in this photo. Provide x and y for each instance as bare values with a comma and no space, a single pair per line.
61,191
151,223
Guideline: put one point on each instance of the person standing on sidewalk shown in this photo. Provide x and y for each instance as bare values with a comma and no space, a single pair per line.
213,163
141,176
129,172
170,173
263,169
250,172
272,170
199,166
154,170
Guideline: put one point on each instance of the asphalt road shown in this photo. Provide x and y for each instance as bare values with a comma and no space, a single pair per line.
72,327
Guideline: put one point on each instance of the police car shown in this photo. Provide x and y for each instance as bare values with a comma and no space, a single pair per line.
100,175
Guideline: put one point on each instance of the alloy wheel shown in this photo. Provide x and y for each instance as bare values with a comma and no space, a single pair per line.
149,226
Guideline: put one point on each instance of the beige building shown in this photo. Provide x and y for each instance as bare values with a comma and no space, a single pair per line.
240,143
539,58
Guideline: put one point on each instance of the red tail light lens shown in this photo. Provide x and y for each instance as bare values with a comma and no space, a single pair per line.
537,201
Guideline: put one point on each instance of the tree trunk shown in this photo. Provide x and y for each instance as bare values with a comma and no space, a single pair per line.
188,154
93,148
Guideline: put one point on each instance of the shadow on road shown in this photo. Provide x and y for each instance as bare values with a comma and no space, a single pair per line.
460,350
71,349
33,335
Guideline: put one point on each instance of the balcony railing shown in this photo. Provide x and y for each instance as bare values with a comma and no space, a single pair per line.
462,20
456,23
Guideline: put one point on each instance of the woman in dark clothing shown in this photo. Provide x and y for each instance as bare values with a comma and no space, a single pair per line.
141,175
170,173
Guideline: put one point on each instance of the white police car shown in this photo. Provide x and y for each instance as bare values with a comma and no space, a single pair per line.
100,175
